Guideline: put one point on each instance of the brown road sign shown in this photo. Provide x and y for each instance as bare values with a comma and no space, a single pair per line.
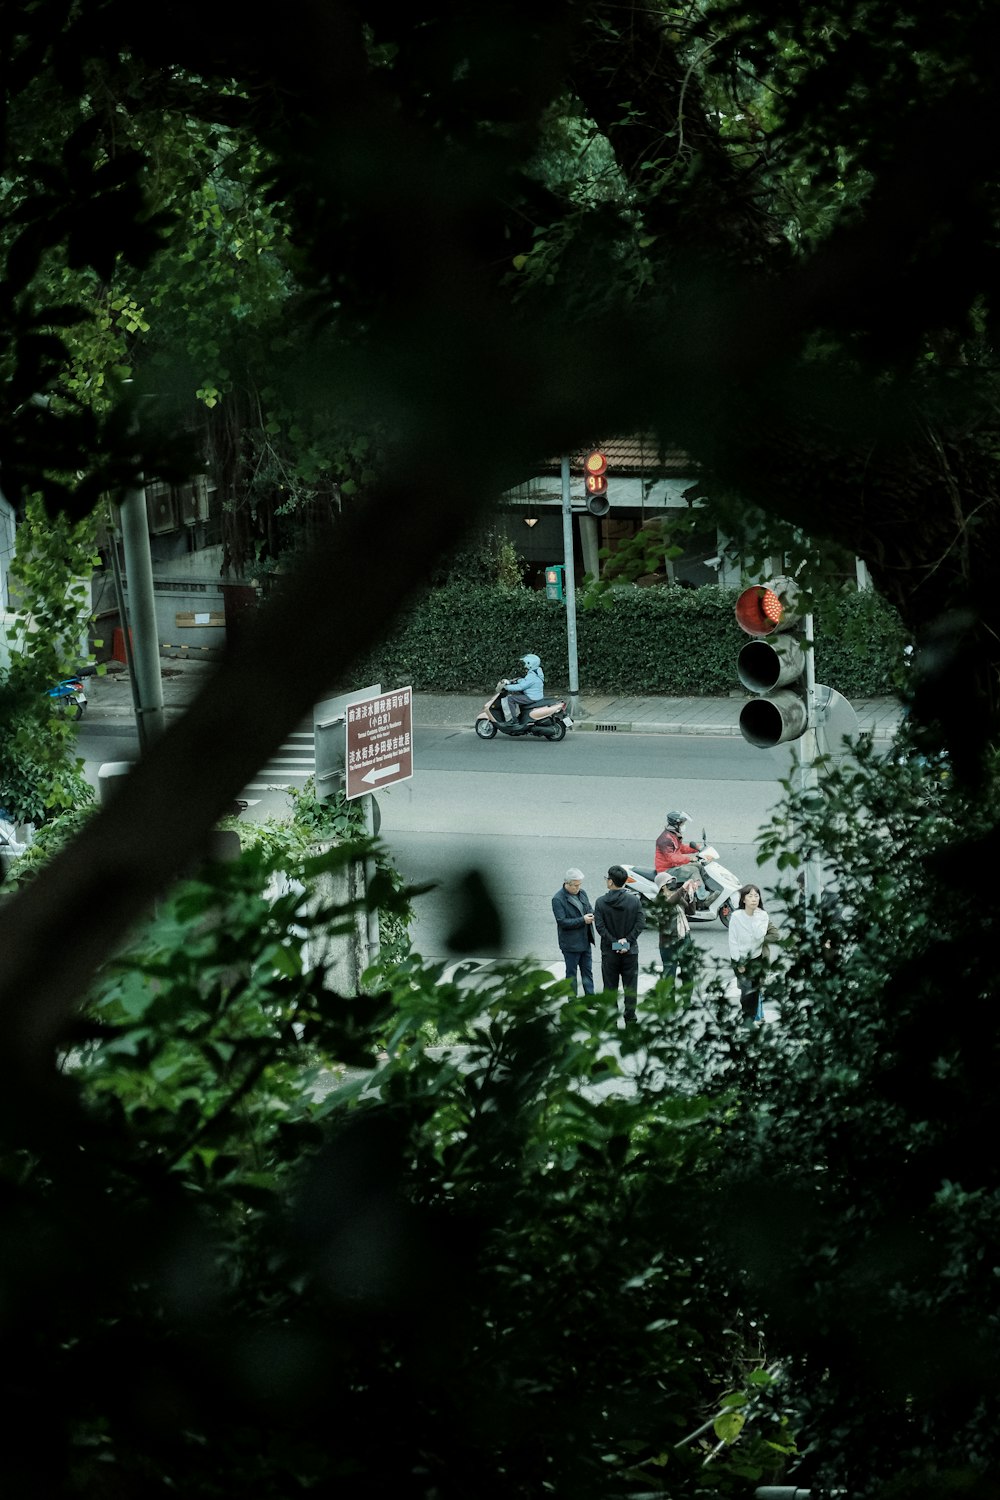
379,742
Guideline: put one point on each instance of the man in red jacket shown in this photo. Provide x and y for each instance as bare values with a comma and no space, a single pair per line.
672,853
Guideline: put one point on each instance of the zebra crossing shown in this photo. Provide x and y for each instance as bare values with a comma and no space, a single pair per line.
290,765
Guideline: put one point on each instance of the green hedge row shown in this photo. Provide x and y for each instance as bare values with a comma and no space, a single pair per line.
675,641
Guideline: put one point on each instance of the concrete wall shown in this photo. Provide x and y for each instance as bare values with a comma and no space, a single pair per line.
204,565
189,602
190,614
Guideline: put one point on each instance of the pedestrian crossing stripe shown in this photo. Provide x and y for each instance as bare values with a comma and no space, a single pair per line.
294,761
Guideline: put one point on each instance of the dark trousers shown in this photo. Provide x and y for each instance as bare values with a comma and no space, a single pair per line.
751,1004
624,967
585,962
671,952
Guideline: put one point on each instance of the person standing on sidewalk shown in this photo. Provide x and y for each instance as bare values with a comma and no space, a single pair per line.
750,930
575,922
674,928
619,919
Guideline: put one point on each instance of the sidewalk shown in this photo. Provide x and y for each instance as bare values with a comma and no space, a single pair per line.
110,698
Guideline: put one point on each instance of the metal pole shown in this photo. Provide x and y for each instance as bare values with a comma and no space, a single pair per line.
8,541
372,940
142,609
587,526
806,752
116,572
569,588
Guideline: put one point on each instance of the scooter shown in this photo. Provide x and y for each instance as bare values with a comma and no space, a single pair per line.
70,696
545,720
717,896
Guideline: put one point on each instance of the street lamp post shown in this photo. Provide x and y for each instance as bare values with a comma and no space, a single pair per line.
569,588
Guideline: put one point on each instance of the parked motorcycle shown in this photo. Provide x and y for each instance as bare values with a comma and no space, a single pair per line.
716,897
70,696
545,720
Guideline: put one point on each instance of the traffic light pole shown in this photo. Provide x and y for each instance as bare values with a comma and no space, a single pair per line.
569,588
806,751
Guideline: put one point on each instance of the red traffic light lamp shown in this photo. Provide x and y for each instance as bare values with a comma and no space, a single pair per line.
773,664
595,480
765,607
596,469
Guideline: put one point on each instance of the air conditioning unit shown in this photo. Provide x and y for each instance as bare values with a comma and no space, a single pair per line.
192,500
161,508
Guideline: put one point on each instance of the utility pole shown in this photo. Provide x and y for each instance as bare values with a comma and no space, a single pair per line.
143,653
569,588
8,537
806,753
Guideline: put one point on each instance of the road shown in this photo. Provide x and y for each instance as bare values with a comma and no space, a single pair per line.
522,811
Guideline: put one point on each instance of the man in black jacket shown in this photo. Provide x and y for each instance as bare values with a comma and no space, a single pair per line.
574,918
619,918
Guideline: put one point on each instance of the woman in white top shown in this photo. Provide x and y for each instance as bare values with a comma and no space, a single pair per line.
749,929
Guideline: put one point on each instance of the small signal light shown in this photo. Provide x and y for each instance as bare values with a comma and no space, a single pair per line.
595,482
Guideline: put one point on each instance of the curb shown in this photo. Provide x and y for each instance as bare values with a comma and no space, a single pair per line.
721,731
640,727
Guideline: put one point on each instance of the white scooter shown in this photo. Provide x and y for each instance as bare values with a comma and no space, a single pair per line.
717,896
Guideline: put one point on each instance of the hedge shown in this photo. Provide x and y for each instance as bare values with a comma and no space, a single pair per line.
635,641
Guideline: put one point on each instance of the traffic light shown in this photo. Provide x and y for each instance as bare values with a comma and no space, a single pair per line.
595,480
773,665
554,582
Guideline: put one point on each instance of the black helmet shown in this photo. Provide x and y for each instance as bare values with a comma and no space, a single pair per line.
677,820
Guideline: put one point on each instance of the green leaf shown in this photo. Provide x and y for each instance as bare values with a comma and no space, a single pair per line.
728,1425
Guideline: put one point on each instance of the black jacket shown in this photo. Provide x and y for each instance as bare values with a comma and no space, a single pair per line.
575,935
619,914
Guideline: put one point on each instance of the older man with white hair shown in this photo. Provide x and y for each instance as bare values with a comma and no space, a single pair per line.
575,924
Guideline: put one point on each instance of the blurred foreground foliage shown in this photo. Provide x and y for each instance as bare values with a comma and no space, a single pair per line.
772,226
275,1244
859,1195
279,1241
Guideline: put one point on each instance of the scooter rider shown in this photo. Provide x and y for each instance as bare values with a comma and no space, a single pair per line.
672,852
527,689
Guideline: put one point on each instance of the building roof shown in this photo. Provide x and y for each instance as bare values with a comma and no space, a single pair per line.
633,455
